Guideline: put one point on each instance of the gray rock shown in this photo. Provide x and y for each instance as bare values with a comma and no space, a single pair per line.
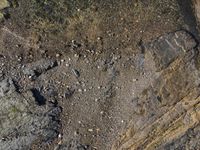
190,140
167,48
23,121
6,87
76,72
74,145
36,68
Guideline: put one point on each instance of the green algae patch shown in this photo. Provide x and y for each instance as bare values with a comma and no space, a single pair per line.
4,4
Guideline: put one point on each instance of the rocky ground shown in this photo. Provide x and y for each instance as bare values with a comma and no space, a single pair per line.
99,75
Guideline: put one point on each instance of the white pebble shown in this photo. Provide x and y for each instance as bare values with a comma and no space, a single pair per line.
90,130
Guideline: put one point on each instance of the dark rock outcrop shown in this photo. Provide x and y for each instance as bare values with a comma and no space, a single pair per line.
23,121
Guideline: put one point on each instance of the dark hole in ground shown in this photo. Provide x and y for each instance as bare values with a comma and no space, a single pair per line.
38,97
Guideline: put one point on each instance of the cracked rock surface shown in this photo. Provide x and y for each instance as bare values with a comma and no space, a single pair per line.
168,110
23,121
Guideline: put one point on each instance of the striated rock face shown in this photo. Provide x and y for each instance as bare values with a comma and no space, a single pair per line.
22,120
167,48
167,113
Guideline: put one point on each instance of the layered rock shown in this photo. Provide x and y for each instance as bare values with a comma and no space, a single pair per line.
167,110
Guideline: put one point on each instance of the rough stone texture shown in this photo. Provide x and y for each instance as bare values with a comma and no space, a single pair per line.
167,48
37,68
197,9
101,70
6,87
74,144
190,141
167,110
23,121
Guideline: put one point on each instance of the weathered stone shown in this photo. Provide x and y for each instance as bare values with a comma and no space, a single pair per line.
39,67
6,87
23,121
169,108
74,145
167,48
190,140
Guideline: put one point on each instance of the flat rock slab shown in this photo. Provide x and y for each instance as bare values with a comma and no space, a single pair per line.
23,121
165,49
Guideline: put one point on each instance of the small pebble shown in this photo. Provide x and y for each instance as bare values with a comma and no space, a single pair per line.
57,55
67,65
134,80
90,130
76,72
59,135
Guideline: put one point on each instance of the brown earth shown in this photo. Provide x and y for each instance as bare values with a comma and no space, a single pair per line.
112,86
